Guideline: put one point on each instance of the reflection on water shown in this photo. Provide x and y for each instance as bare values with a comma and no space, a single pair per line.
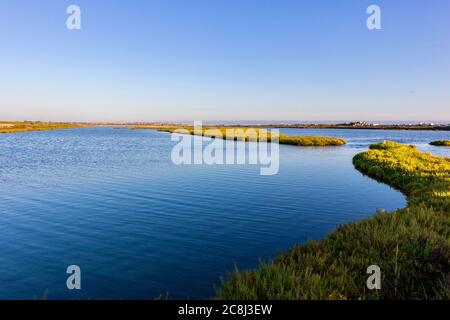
112,202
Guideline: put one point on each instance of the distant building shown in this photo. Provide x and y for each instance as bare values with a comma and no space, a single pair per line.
359,124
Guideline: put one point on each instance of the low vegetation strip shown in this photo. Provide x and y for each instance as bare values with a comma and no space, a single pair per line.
411,245
253,134
422,177
442,143
11,127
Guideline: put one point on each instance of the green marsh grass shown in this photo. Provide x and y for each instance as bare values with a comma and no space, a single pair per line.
252,134
410,245
442,143
12,127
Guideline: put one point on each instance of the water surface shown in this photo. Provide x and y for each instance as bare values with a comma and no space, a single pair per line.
112,202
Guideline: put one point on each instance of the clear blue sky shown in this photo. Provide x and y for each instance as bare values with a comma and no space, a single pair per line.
225,60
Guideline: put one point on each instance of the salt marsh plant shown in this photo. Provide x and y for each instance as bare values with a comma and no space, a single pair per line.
441,143
25,126
411,245
252,134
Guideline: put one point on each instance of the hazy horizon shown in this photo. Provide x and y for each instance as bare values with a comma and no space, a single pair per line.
212,120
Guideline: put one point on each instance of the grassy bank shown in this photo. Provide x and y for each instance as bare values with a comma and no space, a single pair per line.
11,127
411,245
253,134
442,143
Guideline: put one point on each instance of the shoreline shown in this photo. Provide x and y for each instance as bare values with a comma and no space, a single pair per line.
440,143
302,126
383,127
237,134
6,126
16,127
410,245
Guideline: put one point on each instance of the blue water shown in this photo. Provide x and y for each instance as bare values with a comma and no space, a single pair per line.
112,202
360,139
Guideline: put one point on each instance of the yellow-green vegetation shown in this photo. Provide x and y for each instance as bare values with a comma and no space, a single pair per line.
11,127
311,140
250,134
411,245
442,143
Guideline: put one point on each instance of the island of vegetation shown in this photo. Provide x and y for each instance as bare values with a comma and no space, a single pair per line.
411,245
11,127
442,143
251,134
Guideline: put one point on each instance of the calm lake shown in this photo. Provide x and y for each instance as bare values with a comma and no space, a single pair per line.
111,201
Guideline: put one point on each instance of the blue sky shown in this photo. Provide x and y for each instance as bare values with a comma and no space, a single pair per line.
165,60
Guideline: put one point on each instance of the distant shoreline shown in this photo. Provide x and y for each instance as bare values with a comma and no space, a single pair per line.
327,126
379,127
311,126
27,126
20,126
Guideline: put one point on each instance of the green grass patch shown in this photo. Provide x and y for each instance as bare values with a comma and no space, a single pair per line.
251,134
12,127
411,245
442,143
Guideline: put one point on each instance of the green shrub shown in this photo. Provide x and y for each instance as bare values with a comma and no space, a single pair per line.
442,143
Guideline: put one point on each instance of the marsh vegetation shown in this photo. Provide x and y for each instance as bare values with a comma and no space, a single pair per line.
250,134
410,245
25,126
441,143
